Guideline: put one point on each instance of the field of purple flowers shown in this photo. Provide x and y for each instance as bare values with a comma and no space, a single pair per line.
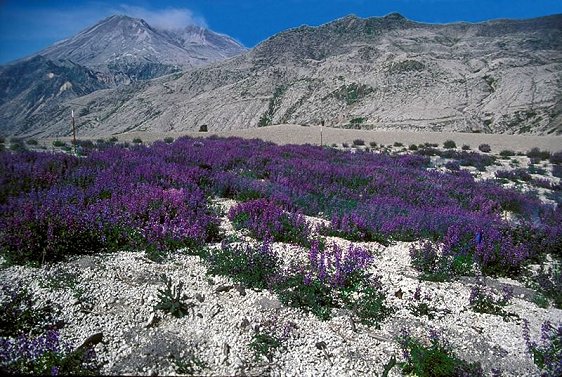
159,199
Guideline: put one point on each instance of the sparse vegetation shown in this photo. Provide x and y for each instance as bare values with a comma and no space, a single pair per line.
358,142
172,300
137,140
485,148
59,143
507,153
435,359
449,144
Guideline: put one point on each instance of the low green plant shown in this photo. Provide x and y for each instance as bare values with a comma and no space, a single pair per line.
413,147
171,299
484,148
435,266
358,142
264,344
32,142
485,300
465,147
19,315
373,144
252,266
59,143
547,353
190,365
435,359
137,140
449,144
507,153
398,144
168,140
313,296
46,354
420,306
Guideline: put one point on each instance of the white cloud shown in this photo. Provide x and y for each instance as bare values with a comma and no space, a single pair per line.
168,18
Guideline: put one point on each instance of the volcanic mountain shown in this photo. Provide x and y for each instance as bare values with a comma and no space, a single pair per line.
117,50
499,76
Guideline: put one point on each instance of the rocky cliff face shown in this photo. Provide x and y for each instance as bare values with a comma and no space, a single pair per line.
388,72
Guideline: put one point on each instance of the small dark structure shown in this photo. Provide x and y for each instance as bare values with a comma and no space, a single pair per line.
203,128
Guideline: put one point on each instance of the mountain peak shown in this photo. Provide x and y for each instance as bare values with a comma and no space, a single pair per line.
395,16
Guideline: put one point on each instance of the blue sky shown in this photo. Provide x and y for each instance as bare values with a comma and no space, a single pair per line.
26,26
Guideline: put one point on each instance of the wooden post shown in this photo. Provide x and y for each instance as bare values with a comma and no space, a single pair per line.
74,133
321,129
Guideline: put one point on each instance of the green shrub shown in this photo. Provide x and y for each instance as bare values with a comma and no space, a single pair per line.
168,140
449,144
358,142
537,153
435,359
59,143
32,142
413,147
137,140
264,344
507,153
465,147
373,144
485,148
398,144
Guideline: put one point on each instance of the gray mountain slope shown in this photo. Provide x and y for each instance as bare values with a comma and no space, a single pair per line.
117,50
130,48
501,76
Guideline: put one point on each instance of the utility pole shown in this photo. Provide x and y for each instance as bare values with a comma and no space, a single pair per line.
74,133
321,129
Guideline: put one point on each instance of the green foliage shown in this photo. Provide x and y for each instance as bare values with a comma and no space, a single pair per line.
251,266
168,140
358,142
435,266
274,103
171,299
538,154
434,360
137,140
507,153
398,144
18,314
373,144
31,142
313,296
484,300
413,147
465,147
484,148
264,344
548,284
449,144
352,93
190,365
59,143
